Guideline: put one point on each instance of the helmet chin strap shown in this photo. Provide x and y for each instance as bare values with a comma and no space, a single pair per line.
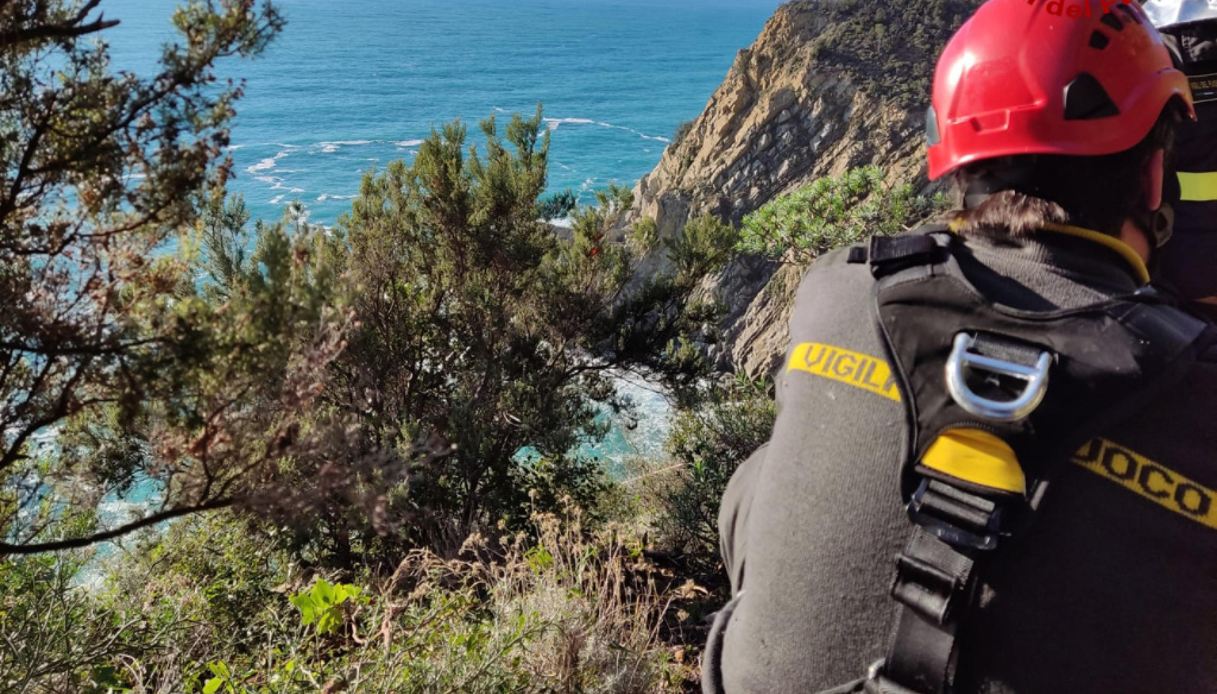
1159,225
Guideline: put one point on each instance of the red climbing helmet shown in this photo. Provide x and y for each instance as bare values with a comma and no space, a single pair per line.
1077,77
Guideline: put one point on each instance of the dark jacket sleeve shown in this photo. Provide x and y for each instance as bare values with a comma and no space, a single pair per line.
733,516
811,522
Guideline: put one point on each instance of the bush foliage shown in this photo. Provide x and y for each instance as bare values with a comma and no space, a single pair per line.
211,607
833,212
890,48
708,442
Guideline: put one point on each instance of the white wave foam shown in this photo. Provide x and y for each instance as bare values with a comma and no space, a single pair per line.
329,196
655,138
277,199
268,163
277,183
262,165
639,133
653,418
554,123
331,146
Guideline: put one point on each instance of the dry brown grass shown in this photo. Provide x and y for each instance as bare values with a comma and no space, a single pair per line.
572,611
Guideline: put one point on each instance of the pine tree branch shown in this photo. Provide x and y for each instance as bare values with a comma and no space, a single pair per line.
71,29
7,549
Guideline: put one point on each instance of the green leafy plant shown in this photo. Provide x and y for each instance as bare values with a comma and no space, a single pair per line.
643,235
322,605
703,246
832,212
221,679
708,442
557,205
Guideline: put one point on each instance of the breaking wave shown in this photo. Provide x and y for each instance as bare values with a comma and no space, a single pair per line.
268,163
554,123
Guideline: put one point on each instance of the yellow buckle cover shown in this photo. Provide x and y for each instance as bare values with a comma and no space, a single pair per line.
977,457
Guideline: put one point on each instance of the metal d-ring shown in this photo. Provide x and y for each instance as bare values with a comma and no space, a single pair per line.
962,359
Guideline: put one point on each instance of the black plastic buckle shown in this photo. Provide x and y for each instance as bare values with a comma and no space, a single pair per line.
957,517
889,254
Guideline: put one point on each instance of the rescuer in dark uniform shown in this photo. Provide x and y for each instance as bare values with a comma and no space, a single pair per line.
1189,262
1057,132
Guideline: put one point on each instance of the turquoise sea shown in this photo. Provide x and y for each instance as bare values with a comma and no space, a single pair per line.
351,85
354,84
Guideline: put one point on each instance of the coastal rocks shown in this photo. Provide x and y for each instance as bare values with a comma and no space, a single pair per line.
789,111
759,338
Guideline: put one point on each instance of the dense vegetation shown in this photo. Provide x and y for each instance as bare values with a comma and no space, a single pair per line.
357,446
891,47
830,213
110,371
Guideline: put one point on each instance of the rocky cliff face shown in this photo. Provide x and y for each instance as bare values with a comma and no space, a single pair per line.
829,85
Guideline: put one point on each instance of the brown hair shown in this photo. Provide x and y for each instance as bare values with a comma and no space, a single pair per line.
1023,193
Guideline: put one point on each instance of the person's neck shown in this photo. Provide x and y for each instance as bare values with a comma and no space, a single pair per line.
1132,236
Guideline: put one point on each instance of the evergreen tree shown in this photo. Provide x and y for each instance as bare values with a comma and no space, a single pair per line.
100,169
483,336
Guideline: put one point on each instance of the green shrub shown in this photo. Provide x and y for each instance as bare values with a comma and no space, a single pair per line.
703,246
53,638
323,605
889,48
707,443
832,212
561,608
643,236
557,205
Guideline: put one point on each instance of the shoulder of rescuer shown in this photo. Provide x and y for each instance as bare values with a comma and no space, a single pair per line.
1189,263
1008,385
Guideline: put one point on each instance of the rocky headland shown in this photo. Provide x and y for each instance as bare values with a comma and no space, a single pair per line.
828,85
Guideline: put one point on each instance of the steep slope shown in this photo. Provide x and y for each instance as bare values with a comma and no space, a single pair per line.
828,85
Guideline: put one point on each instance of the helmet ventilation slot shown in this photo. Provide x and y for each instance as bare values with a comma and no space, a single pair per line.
1085,99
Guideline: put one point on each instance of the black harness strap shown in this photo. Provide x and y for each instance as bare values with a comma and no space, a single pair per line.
923,299
934,582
